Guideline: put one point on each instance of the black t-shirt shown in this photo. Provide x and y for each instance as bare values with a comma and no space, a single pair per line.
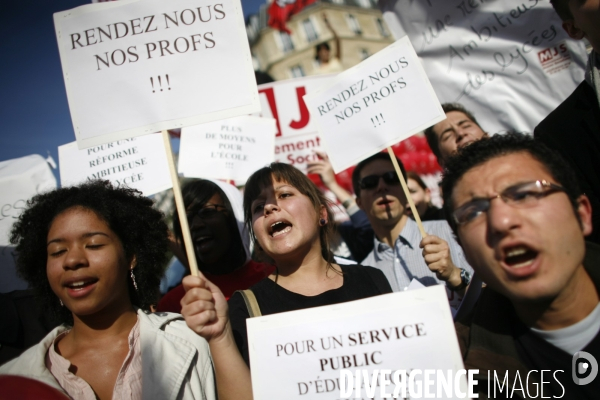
537,354
359,282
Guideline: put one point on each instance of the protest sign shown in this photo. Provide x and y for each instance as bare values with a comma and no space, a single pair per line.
300,354
297,137
139,163
20,179
230,149
509,62
373,105
137,67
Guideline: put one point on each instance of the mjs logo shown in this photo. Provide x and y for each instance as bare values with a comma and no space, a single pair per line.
585,368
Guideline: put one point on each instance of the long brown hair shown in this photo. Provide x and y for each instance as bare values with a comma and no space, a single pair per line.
281,172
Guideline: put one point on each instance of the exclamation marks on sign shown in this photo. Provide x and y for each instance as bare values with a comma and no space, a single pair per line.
228,165
168,82
378,120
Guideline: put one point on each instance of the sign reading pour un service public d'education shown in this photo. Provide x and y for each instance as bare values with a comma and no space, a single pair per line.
377,103
137,67
310,354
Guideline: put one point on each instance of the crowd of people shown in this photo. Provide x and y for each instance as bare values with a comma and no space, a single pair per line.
516,236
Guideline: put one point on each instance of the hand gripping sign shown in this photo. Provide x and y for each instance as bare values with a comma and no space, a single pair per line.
347,350
138,67
379,102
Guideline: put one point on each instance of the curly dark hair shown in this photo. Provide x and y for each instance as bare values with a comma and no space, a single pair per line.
139,226
482,151
287,173
430,135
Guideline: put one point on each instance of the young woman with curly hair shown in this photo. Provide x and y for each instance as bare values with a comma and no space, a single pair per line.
95,255
291,224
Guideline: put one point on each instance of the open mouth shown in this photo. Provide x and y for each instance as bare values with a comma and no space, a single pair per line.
279,228
519,257
81,284
203,239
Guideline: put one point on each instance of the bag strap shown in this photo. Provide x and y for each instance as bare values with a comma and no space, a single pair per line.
251,303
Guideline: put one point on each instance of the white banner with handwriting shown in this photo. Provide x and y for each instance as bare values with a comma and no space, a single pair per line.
141,66
375,104
509,62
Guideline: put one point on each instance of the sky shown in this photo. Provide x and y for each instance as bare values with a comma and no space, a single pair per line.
33,101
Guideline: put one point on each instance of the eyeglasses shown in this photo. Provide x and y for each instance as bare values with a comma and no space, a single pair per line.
371,181
522,195
208,211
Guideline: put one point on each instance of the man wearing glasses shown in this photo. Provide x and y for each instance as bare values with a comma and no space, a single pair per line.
399,251
521,218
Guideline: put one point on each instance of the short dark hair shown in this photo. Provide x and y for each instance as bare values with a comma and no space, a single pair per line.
285,172
361,165
562,9
482,151
195,195
432,139
319,46
139,226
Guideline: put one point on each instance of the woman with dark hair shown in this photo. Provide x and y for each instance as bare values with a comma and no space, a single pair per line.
421,196
220,238
291,223
94,255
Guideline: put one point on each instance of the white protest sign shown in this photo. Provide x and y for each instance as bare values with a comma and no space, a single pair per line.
375,104
230,149
139,163
509,62
20,179
136,67
297,137
300,354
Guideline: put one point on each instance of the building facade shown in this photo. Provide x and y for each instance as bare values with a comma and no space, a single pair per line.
358,24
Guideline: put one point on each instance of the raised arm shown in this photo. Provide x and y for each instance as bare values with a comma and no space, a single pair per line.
324,169
338,48
205,311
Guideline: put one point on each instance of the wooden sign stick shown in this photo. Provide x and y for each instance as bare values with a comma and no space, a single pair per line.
406,192
185,228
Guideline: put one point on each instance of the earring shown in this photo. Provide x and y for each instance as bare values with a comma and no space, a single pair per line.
322,221
61,303
133,280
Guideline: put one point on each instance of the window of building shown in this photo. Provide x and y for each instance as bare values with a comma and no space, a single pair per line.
338,1
382,29
353,24
364,54
309,30
286,42
364,3
297,71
